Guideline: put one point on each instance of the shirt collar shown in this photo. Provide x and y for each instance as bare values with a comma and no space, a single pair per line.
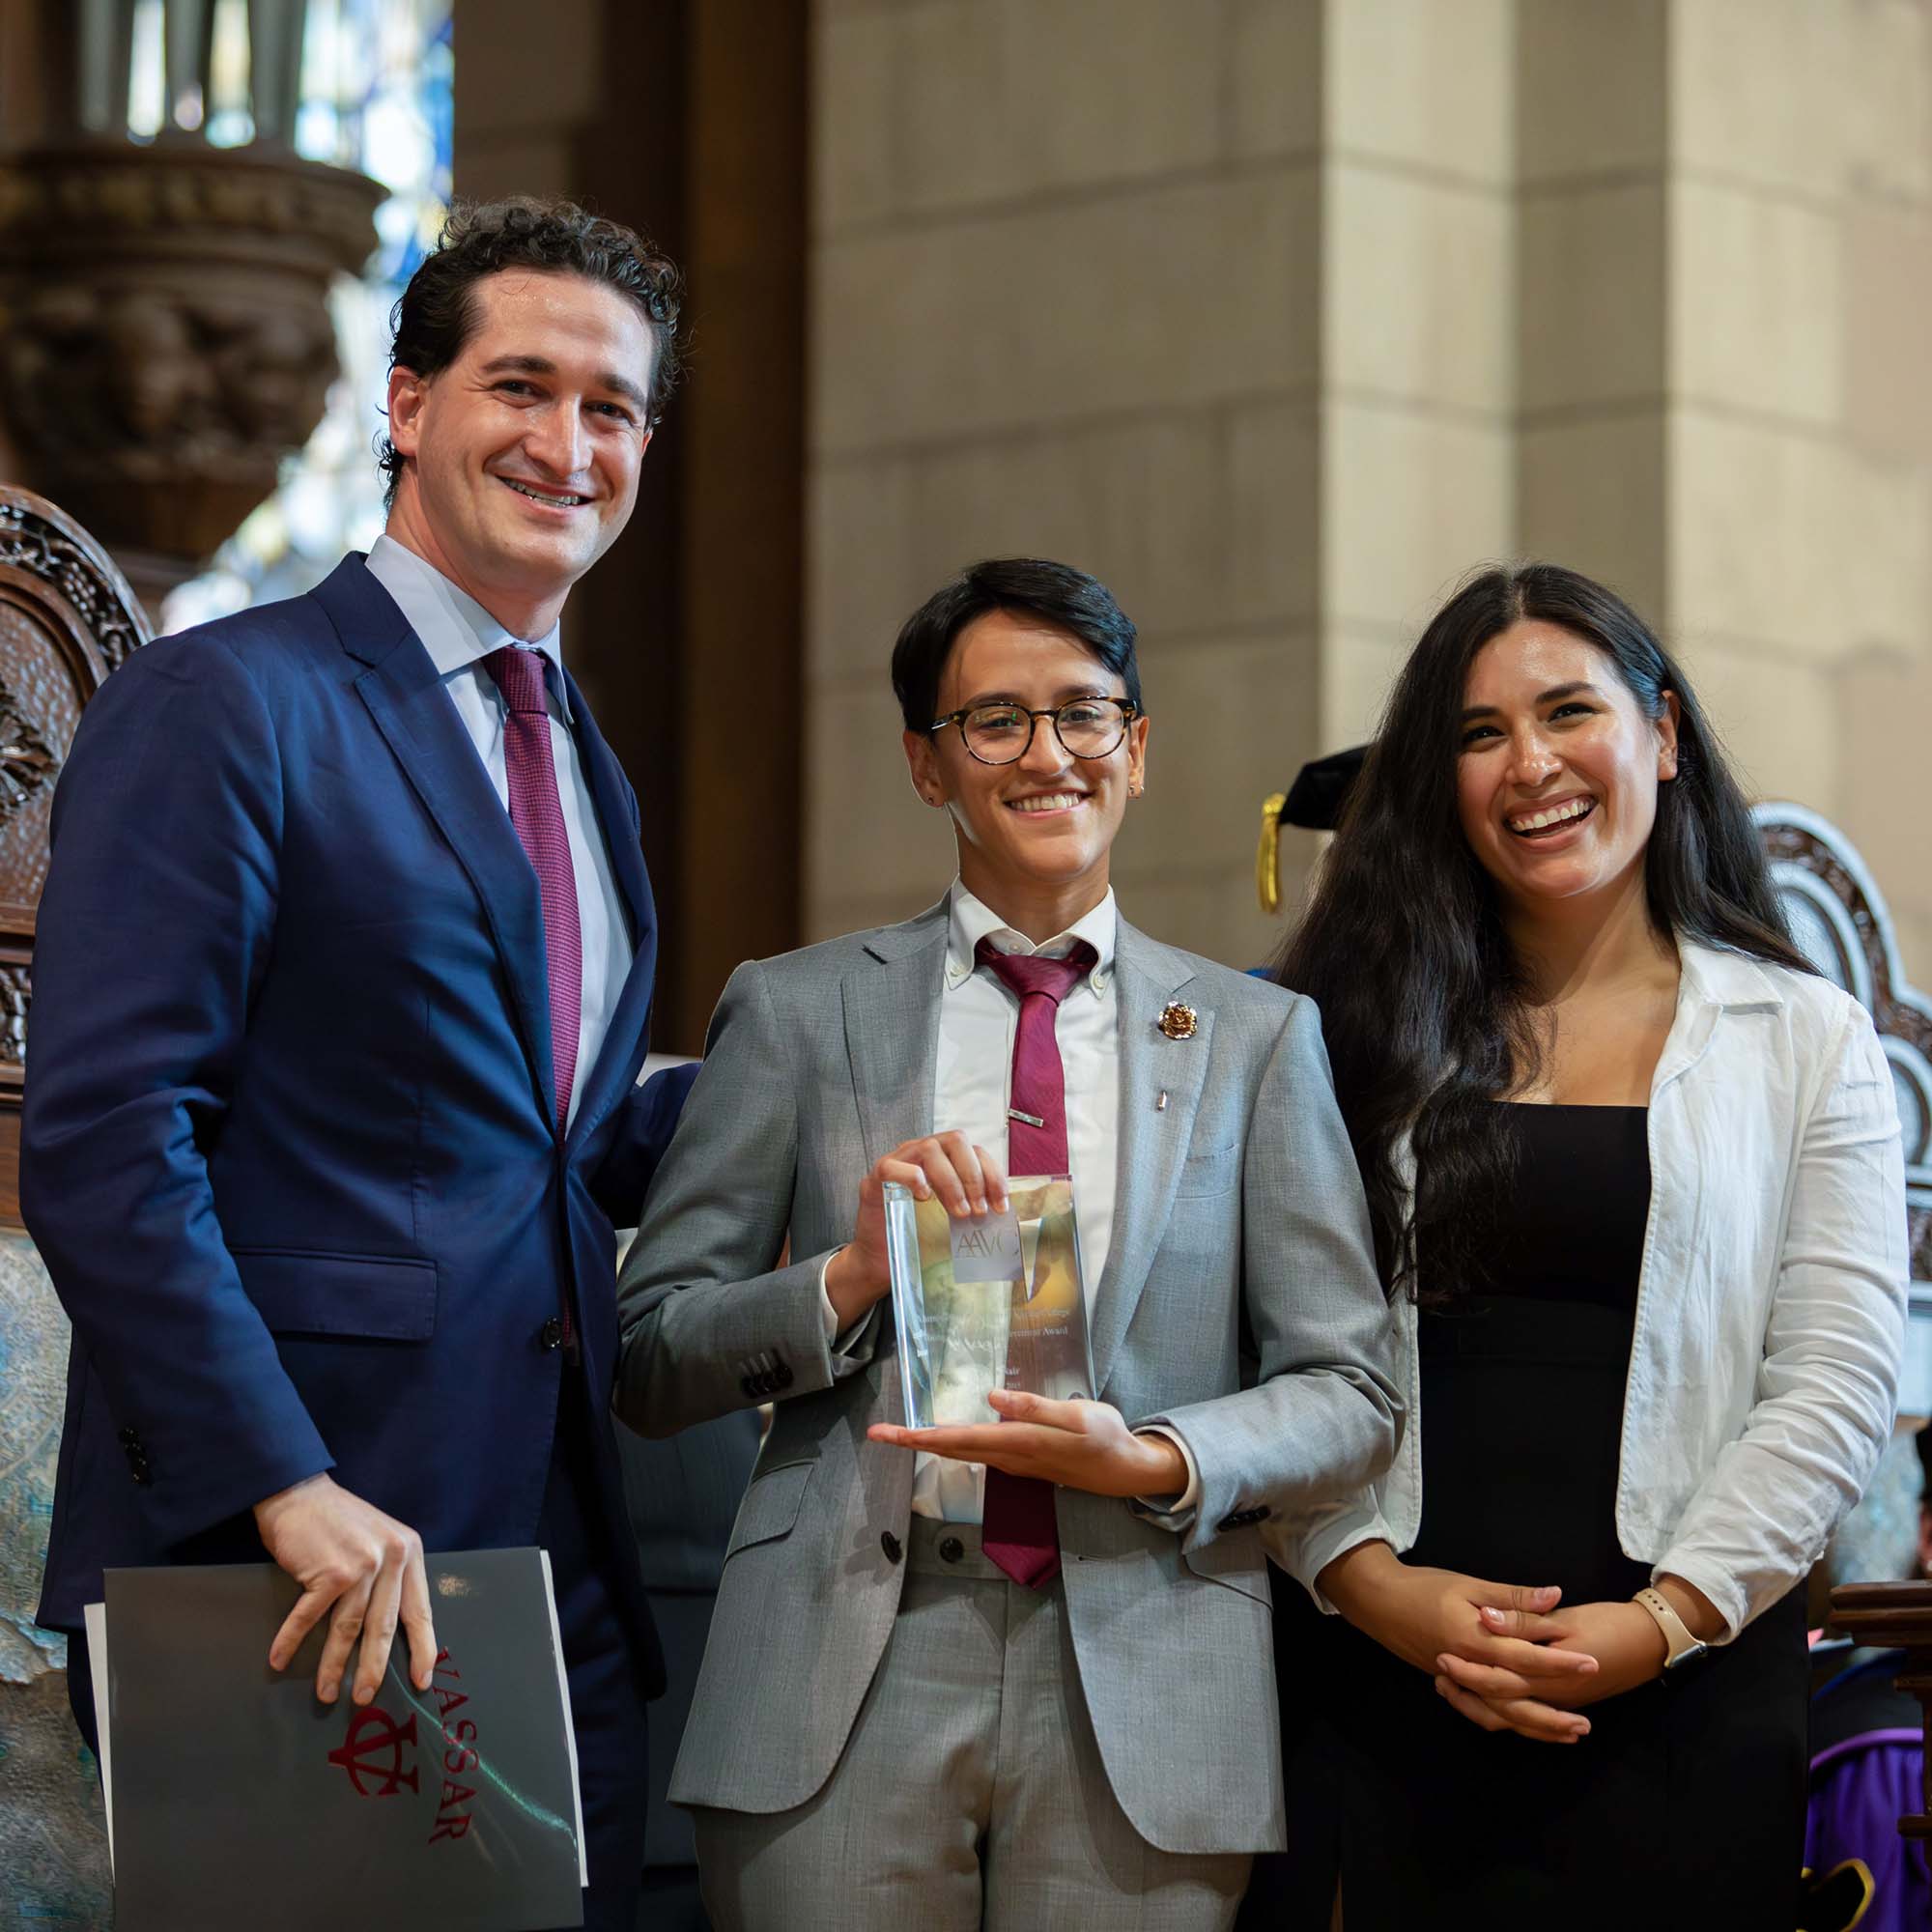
1722,977
454,628
970,920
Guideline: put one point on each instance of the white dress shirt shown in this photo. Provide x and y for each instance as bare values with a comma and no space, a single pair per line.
459,634
1770,1307
979,1017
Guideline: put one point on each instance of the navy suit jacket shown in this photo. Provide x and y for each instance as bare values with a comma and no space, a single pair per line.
287,1147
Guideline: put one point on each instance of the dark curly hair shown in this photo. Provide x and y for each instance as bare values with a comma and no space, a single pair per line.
434,316
1423,1000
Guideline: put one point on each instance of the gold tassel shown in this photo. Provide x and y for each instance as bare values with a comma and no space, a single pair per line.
1268,857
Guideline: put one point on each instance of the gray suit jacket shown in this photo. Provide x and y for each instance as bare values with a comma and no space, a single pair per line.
683,1494
1239,1307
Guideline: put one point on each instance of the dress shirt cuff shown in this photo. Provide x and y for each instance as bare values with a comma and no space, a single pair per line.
1306,1545
836,1344
827,1314
1728,1598
1174,1514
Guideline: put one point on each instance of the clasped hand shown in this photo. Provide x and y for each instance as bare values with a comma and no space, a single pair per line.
1501,1654
1620,1641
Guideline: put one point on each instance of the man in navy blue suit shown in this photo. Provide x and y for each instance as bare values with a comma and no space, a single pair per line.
341,984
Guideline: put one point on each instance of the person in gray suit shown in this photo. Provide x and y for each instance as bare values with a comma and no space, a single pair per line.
1015,1674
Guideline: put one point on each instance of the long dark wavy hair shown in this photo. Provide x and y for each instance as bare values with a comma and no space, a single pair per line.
1423,1000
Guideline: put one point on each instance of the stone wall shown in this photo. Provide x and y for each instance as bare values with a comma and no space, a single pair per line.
1067,303
1280,314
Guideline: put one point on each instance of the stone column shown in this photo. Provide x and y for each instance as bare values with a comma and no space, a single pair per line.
1726,404
1417,374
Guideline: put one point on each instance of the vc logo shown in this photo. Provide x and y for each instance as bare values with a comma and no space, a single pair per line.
372,1753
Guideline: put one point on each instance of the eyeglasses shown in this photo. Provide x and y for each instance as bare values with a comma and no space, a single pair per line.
1001,734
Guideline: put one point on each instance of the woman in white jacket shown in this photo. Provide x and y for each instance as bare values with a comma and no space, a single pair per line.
1637,1184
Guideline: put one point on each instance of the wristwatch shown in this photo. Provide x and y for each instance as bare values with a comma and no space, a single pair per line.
1682,1649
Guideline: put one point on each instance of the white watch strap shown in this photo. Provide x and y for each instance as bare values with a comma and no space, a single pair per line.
1677,1638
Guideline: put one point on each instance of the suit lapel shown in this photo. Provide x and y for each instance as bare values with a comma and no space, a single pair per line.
622,1052
1153,1140
406,698
892,1030
614,813
892,1040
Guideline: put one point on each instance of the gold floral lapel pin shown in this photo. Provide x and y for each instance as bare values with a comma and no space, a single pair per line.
1178,1021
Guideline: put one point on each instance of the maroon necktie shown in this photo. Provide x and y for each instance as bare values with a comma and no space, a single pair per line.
1020,1533
537,813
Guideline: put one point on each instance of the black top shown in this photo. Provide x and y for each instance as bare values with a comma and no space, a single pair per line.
1522,1383
1579,1206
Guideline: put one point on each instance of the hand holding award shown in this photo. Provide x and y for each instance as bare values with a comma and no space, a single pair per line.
964,1181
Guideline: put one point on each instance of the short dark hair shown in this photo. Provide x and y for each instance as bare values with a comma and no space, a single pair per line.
1056,593
435,314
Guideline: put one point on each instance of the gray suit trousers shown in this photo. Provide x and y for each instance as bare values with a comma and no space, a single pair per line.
971,1792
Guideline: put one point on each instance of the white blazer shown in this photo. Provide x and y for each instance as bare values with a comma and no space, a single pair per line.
1770,1304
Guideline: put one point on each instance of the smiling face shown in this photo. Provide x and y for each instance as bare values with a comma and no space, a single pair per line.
1036,833
1557,774
523,452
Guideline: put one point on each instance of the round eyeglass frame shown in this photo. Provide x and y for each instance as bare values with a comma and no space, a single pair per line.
1126,707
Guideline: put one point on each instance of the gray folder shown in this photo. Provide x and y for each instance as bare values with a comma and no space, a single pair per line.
237,1800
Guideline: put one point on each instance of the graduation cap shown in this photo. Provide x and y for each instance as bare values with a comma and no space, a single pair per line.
1314,802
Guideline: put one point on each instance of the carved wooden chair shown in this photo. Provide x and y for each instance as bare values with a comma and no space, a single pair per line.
1838,917
67,618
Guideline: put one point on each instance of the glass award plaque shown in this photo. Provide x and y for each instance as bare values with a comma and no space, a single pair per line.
987,1301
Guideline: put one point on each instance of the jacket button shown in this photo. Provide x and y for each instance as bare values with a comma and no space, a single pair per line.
782,1378
952,1550
746,1383
129,1440
551,1334
890,1544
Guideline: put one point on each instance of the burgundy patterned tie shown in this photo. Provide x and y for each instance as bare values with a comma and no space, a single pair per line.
1020,1533
537,813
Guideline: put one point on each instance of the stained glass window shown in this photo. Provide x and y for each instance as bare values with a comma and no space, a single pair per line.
376,96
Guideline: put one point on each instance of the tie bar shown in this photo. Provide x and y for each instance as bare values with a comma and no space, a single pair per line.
1030,1120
